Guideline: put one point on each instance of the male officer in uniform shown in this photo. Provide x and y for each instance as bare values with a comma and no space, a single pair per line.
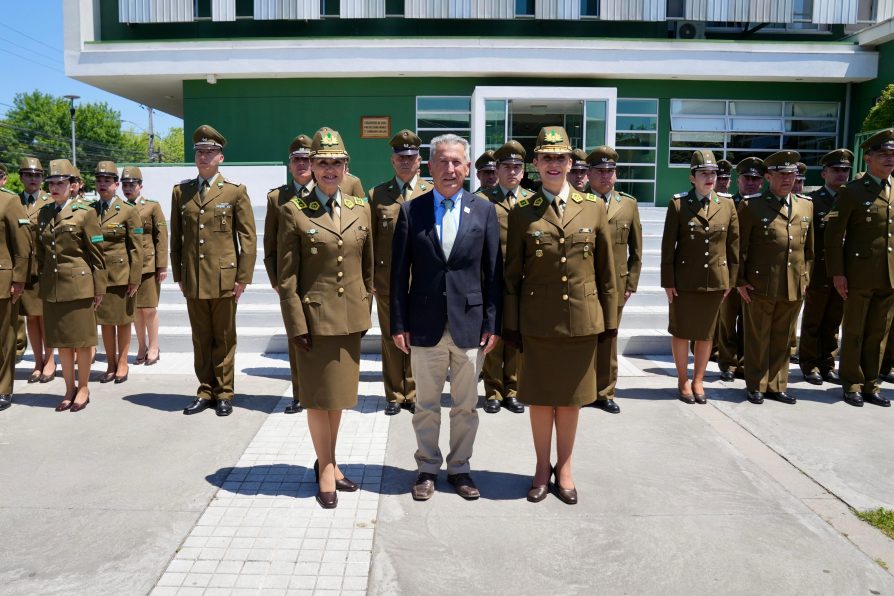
776,254
724,176
213,245
627,251
301,186
19,320
577,176
860,259
798,189
800,177
486,171
500,370
730,333
823,307
385,201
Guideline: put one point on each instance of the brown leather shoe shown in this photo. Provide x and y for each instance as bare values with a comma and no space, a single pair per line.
464,485
327,500
424,487
538,493
345,485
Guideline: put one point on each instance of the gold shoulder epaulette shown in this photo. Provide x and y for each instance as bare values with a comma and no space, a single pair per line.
592,198
299,203
680,195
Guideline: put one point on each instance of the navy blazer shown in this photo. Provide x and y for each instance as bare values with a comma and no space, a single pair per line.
429,291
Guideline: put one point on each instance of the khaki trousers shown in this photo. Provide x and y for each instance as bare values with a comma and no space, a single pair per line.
9,312
864,335
730,332
397,373
432,366
213,323
823,310
607,364
768,330
501,372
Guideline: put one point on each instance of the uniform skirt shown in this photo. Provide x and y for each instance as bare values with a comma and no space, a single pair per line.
329,375
150,289
70,324
30,303
116,308
557,372
693,314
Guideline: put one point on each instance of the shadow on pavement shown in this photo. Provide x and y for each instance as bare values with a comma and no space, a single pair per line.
283,372
38,400
175,403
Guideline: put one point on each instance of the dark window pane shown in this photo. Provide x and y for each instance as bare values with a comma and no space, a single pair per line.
678,156
811,126
637,106
636,155
636,172
644,192
438,104
697,140
735,157
636,123
394,7
589,8
443,121
245,8
798,143
634,139
524,8
428,135
754,141
203,9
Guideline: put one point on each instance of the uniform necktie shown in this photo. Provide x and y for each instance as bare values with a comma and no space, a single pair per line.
559,206
334,213
28,200
104,206
448,227
511,197
607,201
407,190
58,208
705,203
204,188
784,204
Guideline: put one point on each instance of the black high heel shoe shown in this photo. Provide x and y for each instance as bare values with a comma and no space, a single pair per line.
343,484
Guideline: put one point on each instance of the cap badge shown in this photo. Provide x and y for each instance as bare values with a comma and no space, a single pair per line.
328,140
552,136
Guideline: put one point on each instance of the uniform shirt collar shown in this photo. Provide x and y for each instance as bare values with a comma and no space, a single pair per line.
879,180
212,179
831,191
506,191
298,186
563,194
412,182
324,198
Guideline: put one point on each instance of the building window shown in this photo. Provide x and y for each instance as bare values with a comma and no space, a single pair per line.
636,141
676,9
735,129
867,11
329,8
589,9
436,116
524,8
394,8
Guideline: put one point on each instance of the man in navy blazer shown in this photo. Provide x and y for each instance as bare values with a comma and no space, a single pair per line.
446,297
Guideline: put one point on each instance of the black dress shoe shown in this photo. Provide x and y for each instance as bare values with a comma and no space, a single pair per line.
756,397
813,377
199,405
409,406
327,500
392,408
224,407
888,377
739,373
607,405
513,405
5,401
294,408
876,399
853,398
464,485
794,359
830,376
727,376
492,406
781,396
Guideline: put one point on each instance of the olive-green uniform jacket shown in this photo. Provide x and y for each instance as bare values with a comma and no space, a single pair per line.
31,212
15,243
823,203
72,266
385,201
325,276
352,186
699,249
122,245
859,242
775,249
213,239
155,235
559,275
276,198
627,232
502,206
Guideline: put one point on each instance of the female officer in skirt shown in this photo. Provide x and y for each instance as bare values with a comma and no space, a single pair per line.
155,265
325,273
699,264
72,280
559,295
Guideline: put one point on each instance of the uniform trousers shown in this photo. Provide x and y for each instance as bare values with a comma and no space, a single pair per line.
768,329
20,334
213,323
607,364
730,333
397,372
823,309
864,335
888,358
432,365
501,372
9,312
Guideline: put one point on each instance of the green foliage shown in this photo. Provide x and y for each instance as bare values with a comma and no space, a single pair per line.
168,147
881,115
883,519
14,183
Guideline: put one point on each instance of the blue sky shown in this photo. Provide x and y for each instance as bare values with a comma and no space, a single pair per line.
31,58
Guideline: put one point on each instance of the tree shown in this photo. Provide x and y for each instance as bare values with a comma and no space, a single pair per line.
168,148
881,115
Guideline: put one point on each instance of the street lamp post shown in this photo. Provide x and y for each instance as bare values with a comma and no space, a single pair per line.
74,155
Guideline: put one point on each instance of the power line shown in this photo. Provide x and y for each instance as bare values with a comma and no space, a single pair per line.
40,41
94,147
53,68
32,50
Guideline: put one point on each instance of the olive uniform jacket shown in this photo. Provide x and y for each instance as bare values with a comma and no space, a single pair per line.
627,231
385,201
503,207
72,266
352,186
15,243
559,275
276,198
823,203
325,276
31,212
776,249
122,245
155,235
213,239
699,248
859,242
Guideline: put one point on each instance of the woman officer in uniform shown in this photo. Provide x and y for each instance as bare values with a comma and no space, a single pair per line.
699,264
325,271
72,280
559,295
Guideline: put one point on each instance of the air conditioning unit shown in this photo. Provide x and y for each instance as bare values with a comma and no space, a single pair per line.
690,30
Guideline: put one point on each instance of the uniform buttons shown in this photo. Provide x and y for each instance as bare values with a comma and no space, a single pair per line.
789,264
707,242
340,259
340,242
564,296
791,237
889,249
564,278
706,254
306,300
232,264
561,241
341,291
339,275
202,241
790,250
54,256
706,265
382,262
201,256
201,211
563,259
54,243
201,226
55,271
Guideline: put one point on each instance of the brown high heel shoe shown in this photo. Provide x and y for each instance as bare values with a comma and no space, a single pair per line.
566,495
76,407
151,361
66,406
341,484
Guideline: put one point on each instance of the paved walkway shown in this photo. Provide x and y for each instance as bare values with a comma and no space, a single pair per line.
131,497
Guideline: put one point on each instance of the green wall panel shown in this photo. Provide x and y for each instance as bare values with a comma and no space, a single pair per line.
864,94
